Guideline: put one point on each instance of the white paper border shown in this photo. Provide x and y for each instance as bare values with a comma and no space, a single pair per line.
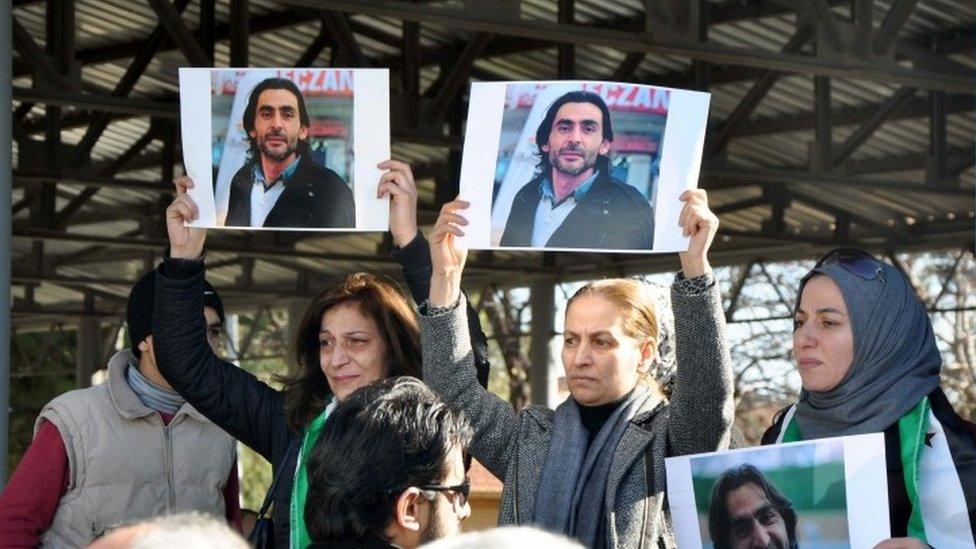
686,122
865,484
371,145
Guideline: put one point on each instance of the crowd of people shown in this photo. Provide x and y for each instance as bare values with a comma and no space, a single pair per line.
371,435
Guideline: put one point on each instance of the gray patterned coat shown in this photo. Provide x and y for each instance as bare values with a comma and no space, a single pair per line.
513,446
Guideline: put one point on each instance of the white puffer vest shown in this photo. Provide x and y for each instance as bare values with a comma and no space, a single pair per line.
126,465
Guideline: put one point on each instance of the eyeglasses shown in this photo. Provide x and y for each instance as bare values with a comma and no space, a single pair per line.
855,261
461,492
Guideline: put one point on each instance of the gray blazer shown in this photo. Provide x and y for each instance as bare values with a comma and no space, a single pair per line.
513,446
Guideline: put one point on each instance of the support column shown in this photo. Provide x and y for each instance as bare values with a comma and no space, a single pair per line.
88,350
543,302
296,310
6,159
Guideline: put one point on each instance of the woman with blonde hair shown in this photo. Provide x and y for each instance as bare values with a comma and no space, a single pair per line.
593,468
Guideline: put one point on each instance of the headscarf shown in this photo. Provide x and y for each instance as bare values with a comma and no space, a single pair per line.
896,361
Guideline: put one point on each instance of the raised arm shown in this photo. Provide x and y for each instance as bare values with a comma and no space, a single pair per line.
413,252
701,402
446,346
232,398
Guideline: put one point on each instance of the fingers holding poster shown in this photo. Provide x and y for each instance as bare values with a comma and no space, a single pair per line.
286,148
580,165
823,494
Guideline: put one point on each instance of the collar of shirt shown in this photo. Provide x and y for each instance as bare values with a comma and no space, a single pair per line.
258,173
578,194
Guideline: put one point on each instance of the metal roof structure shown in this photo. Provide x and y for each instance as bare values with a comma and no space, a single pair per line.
831,123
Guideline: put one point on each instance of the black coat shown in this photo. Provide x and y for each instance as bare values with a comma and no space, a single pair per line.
611,215
247,408
314,197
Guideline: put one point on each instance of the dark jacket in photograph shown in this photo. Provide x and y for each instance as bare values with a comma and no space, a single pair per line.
314,198
611,215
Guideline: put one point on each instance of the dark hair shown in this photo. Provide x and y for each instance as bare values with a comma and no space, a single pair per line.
306,387
253,152
719,524
382,439
545,127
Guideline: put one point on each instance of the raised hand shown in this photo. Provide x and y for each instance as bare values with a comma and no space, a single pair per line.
184,242
398,183
447,255
698,222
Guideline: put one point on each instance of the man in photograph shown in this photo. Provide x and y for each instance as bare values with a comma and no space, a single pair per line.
280,185
572,201
747,511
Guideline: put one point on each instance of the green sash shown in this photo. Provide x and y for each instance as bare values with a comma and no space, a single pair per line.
299,489
911,430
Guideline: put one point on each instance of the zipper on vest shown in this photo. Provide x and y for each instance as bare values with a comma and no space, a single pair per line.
168,467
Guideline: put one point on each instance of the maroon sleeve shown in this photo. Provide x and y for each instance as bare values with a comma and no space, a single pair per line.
232,499
30,499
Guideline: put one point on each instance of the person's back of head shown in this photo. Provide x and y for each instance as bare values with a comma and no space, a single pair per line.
388,465
184,530
507,537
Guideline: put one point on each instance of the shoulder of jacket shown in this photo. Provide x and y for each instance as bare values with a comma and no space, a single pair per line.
620,189
537,414
79,398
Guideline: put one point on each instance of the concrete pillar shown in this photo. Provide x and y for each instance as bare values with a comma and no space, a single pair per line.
296,310
88,350
543,302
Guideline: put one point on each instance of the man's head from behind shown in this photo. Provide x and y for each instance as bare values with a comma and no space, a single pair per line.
575,135
747,511
276,120
389,465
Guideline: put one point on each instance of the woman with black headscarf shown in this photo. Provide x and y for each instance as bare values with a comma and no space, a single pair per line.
868,362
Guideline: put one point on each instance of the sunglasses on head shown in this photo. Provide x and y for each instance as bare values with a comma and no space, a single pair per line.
855,261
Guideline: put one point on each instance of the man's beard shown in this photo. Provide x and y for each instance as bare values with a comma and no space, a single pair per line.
290,147
435,528
560,167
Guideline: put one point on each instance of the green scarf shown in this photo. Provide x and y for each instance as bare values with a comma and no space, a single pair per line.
911,430
299,489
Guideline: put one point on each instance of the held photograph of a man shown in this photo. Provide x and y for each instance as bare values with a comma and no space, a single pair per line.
822,494
286,148
579,165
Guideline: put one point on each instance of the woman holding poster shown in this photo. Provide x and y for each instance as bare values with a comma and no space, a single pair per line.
868,362
351,334
593,469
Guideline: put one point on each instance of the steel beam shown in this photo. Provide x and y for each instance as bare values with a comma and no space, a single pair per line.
180,33
894,20
727,176
755,94
457,76
891,105
314,48
566,53
97,102
258,252
639,41
338,25
239,33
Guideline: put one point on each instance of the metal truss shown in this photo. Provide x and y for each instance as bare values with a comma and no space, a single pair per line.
832,40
